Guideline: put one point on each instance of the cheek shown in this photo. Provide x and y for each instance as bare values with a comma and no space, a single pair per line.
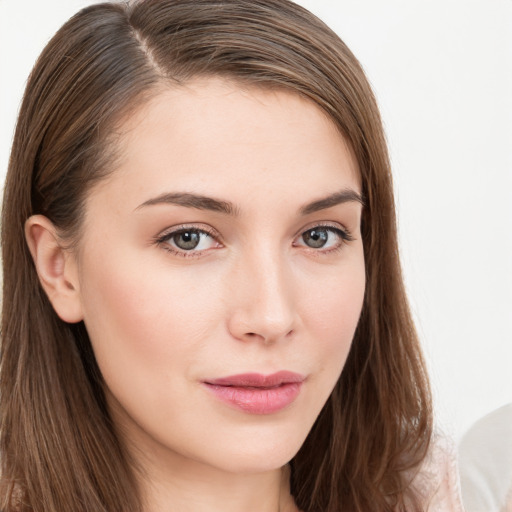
143,327
334,311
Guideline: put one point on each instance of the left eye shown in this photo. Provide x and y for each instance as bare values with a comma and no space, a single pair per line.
189,240
322,237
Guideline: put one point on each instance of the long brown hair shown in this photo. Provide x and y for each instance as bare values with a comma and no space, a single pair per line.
59,448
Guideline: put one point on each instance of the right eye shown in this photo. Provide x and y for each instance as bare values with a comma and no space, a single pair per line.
187,241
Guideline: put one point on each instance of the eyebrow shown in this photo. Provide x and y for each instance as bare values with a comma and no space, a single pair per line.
193,201
344,196
201,202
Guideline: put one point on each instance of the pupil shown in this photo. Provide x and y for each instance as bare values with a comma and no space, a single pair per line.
315,238
187,240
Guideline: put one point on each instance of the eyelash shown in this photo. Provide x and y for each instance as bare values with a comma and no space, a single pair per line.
343,234
163,239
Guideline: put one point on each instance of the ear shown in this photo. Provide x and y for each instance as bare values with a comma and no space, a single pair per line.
56,268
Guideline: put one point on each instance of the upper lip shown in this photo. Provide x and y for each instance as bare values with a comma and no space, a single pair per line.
258,380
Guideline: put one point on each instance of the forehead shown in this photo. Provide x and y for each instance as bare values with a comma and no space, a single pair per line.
215,137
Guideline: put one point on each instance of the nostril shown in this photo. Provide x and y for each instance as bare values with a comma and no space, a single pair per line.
255,335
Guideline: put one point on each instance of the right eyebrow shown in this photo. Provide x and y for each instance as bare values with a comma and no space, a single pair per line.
188,200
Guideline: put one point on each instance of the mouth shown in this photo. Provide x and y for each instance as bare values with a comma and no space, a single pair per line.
256,393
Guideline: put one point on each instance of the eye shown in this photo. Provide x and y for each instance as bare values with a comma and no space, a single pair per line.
187,240
324,237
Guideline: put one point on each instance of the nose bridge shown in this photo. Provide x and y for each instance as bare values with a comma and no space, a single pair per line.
264,301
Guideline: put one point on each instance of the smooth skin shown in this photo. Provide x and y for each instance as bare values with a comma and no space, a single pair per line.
226,240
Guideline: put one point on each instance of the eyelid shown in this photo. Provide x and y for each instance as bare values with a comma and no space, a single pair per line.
341,231
163,236
192,226
336,226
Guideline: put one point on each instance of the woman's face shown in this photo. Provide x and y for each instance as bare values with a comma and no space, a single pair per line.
221,274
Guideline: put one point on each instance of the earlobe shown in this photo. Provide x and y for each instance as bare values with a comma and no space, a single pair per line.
56,268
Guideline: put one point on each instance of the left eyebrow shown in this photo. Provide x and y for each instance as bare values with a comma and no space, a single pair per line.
344,196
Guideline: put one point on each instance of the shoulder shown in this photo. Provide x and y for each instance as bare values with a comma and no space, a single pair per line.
436,482
485,455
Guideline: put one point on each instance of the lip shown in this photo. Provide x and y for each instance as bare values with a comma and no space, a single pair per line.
256,393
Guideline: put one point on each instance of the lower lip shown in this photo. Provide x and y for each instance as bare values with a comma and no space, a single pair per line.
257,400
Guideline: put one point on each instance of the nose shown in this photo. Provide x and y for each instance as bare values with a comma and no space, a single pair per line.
262,300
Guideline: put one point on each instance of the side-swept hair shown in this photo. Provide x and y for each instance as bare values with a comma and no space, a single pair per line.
59,448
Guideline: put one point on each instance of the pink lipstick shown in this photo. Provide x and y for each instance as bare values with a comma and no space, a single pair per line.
255,393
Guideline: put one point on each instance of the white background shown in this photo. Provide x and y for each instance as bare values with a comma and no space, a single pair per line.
442,73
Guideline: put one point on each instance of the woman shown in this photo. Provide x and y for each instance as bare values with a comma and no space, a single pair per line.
203,306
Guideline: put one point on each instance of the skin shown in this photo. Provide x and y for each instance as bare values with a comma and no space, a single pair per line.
253,296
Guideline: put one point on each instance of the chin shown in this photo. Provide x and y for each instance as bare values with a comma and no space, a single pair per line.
252,463
259,451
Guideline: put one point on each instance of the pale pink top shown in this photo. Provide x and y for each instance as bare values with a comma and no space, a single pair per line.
485,459
437,482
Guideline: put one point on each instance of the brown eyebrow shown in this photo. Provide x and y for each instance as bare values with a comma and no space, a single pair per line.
217,205
193,201
344,196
